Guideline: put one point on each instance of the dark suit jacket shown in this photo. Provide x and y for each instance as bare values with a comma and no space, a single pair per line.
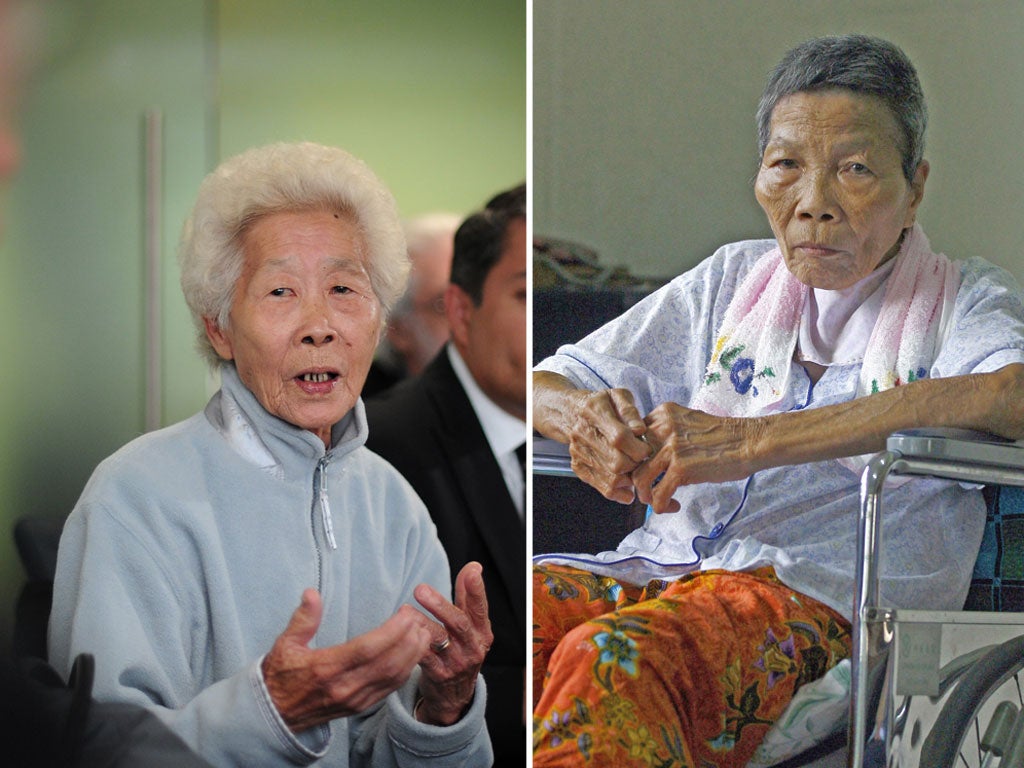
426,427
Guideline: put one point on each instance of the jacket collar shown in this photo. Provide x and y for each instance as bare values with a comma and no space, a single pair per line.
270,442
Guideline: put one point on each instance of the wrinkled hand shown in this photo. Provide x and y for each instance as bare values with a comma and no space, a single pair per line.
310,686
449,675
605,442
692,447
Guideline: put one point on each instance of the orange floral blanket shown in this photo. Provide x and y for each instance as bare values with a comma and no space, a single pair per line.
684,673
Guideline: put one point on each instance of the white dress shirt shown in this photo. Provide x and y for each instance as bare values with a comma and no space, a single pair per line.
504,431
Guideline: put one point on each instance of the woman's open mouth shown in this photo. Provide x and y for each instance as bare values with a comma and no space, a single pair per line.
317,382
318,377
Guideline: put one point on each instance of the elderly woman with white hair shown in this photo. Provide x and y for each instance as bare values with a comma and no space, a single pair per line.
181,566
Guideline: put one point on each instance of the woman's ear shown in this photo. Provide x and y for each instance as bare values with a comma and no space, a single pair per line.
219,338
916,191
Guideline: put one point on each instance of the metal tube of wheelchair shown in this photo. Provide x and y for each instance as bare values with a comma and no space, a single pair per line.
1013,757
866,587
869,535
998,733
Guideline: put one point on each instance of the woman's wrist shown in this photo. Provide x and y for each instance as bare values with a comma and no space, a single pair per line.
424,713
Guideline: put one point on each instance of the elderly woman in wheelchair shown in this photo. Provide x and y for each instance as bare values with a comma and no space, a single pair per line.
737,402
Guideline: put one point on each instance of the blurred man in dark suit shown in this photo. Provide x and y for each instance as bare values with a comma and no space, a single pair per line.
458,433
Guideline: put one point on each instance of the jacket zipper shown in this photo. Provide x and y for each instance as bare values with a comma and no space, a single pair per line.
325,506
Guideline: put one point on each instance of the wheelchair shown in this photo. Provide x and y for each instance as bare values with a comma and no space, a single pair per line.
925,688
934,689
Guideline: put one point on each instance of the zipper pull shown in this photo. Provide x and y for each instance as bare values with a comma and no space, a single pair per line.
325,510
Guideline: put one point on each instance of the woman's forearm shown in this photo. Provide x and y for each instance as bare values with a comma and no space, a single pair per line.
553,395
992,402
613,449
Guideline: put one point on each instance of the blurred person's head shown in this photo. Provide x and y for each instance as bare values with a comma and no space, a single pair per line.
486,300
20,39
418,326
9,81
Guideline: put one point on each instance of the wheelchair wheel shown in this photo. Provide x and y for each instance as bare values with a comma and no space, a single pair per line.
955,739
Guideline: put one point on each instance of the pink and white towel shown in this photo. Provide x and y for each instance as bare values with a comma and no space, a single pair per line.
749,371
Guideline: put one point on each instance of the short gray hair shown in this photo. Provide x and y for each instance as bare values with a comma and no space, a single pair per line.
272,179
857,63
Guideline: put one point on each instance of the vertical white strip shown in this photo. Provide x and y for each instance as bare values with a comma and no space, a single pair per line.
153,238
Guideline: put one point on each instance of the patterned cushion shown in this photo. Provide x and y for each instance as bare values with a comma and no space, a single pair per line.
998,581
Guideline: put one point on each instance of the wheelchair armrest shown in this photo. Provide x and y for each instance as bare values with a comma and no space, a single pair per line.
958,445
550,457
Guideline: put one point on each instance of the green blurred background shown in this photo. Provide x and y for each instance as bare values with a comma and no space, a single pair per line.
431,95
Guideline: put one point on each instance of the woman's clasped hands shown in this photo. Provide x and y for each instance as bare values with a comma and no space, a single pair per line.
627,456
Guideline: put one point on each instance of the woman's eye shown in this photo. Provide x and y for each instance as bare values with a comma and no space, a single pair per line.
859,168
341,289
279,292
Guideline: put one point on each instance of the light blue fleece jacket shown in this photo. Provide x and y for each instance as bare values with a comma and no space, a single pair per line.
188,552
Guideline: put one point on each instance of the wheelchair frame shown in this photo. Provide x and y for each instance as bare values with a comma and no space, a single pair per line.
871,726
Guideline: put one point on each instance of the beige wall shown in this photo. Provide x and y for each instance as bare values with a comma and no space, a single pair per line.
643,119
